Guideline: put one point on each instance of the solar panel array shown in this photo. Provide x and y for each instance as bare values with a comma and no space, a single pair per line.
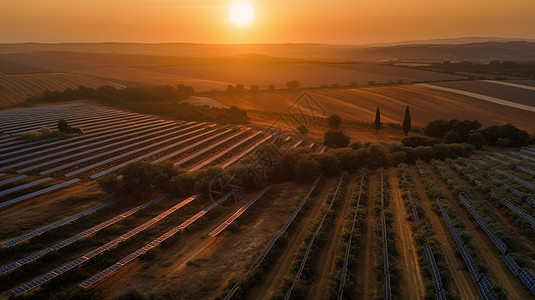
505,186
238,213
111,244
445,215
60,223
486,228
33,257
129,258
25,186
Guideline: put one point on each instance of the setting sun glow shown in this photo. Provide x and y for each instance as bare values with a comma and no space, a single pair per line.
241,13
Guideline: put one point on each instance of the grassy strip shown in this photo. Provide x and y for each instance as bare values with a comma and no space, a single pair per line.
354,223
317,233
424,232
393,255
252,276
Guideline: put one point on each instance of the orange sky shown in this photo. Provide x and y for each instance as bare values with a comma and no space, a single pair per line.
277,21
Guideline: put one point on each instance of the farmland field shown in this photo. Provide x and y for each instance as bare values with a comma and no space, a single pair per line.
426,104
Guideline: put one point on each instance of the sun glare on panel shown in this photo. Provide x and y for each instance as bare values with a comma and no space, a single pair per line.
241,13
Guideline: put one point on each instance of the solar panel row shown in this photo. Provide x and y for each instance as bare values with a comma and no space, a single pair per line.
38,192
515,178
62,222
238,213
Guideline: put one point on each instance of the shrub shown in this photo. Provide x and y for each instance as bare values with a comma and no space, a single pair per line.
452,137
307,169
336,139
415,141
334,121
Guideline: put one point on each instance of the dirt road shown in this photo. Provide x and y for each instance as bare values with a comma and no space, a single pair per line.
461,281
412,284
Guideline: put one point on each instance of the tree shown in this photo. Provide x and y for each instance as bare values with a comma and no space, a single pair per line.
230,89
239,88
307,169
377,120
407,121
336,139
334,121
302,129
255,88
271,87
452,137
63,126
292,84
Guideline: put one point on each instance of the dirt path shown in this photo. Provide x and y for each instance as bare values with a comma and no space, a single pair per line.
461,281
366,284
269,285
412,284
325,265
497,269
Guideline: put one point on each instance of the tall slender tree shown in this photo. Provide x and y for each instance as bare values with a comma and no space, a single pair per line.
407,121
377,120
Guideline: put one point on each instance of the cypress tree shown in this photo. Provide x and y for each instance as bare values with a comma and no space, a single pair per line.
377,120
407,121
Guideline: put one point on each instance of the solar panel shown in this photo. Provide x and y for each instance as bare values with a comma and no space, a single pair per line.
511,263
458,240
435,274
463,200
441,295
485,290
238,213
415,212
528,279
245,152
472,268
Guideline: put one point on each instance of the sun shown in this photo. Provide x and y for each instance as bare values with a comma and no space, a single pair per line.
241,13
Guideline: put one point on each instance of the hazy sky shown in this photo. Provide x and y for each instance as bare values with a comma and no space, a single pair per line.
276,21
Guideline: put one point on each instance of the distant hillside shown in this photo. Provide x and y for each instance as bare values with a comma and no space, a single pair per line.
475,52
482,50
